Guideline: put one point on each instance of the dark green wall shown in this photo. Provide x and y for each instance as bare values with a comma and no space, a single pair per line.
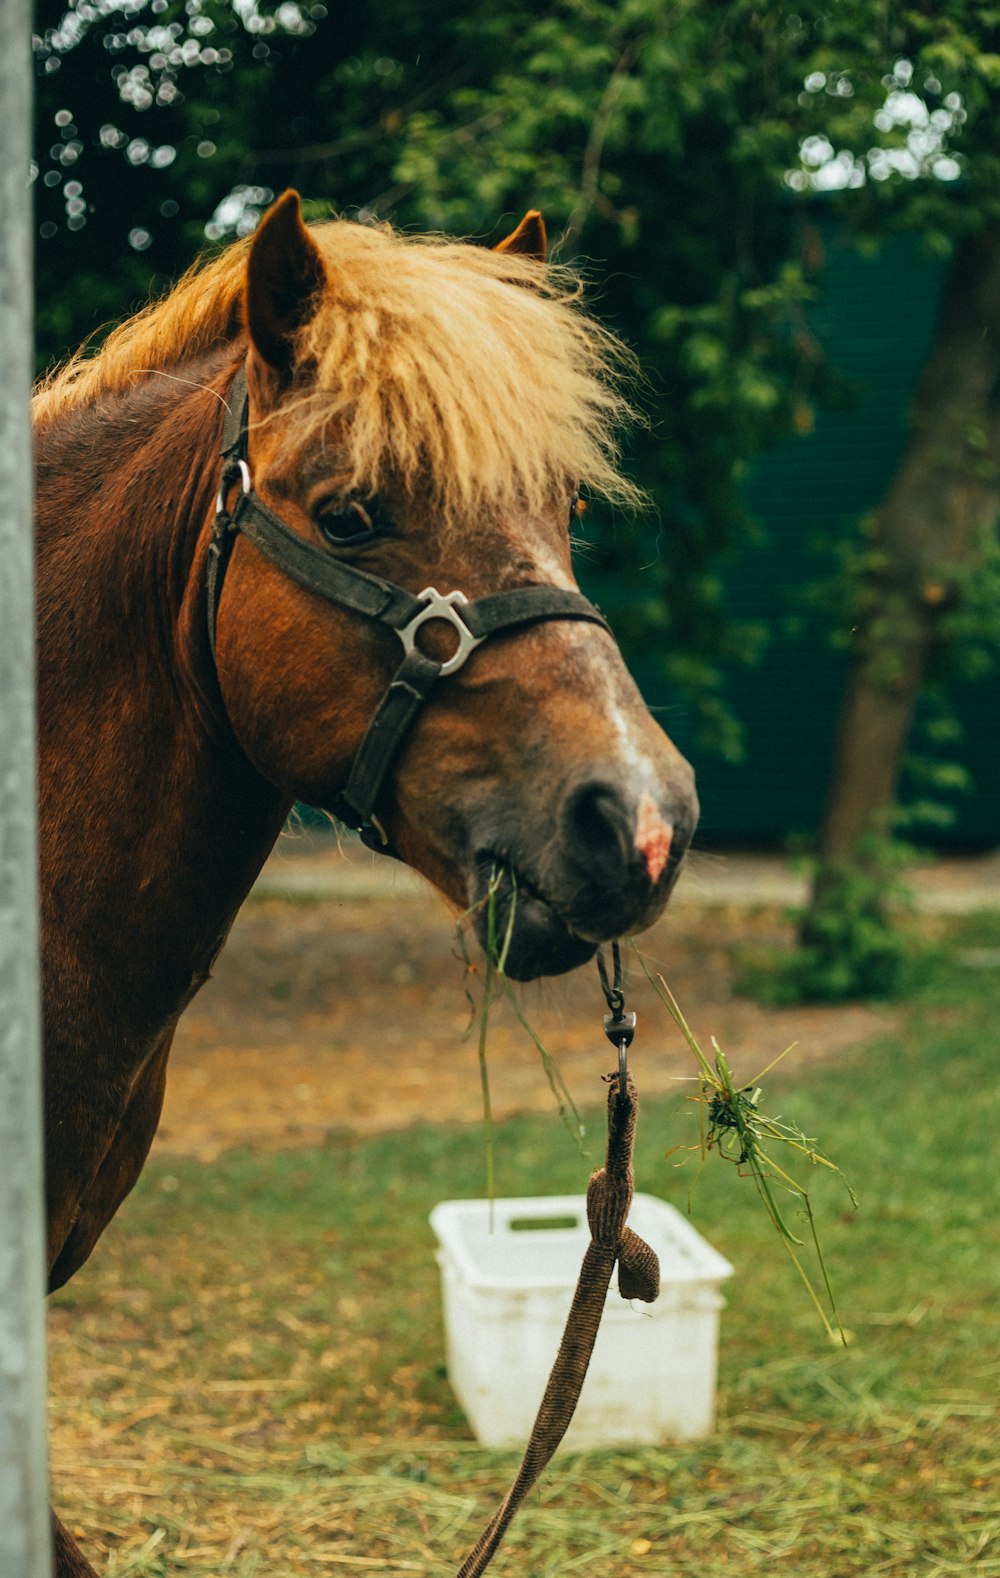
875,319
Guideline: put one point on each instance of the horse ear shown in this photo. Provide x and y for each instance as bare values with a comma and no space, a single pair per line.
529,238
285,273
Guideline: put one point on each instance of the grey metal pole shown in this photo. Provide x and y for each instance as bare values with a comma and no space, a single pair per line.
25,1540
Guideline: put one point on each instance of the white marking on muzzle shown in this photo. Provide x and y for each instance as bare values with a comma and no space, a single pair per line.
602,671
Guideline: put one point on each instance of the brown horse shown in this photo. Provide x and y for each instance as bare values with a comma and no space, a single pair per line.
379,416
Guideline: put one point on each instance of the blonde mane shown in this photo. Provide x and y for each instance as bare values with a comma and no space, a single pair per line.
430,357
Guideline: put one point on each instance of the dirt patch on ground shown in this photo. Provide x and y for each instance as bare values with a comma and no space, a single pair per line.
350,1012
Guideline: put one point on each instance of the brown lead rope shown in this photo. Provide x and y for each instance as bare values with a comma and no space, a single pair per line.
609,1196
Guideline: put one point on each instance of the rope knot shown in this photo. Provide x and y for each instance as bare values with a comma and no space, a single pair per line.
609,1199
607,1209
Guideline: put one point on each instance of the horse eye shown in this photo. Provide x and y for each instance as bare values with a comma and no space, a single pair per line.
350,521
577,509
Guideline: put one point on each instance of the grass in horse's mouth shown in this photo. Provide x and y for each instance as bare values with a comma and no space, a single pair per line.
496,948
543,928
496,867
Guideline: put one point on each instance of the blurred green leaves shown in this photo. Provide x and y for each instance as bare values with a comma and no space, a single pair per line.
681,153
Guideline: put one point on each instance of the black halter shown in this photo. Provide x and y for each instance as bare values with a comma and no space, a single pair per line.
339,583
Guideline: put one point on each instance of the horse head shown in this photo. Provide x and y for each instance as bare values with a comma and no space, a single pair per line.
424,414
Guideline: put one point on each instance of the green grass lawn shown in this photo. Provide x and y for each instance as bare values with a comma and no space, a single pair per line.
248,1377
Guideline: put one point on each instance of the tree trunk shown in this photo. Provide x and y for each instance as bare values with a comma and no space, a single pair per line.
927,535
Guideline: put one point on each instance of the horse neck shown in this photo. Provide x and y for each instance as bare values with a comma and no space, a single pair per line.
153,824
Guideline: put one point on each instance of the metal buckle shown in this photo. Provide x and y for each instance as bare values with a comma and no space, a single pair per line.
228,478
442,606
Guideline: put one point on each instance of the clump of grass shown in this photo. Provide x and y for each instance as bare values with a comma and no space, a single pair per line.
731,1123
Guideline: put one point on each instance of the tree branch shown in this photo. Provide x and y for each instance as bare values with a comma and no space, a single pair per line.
590,170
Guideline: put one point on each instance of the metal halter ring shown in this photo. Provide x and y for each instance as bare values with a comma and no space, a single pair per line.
442,606
228,478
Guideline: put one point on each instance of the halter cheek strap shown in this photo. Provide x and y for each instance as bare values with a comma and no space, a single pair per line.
330,578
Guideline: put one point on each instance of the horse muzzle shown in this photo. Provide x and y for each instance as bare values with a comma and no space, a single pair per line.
605,869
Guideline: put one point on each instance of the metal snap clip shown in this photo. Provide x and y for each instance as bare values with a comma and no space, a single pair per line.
619,1028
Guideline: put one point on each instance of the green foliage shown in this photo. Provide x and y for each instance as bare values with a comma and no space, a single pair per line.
163,125
678,152
968,632
852,942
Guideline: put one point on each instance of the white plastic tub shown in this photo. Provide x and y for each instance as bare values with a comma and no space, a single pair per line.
506,1296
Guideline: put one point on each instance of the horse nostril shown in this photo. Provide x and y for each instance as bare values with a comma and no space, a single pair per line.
599,829
619,842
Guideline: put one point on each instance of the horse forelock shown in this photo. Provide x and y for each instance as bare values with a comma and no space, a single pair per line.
441,363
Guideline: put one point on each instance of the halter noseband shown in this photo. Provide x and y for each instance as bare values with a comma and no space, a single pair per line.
362,593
